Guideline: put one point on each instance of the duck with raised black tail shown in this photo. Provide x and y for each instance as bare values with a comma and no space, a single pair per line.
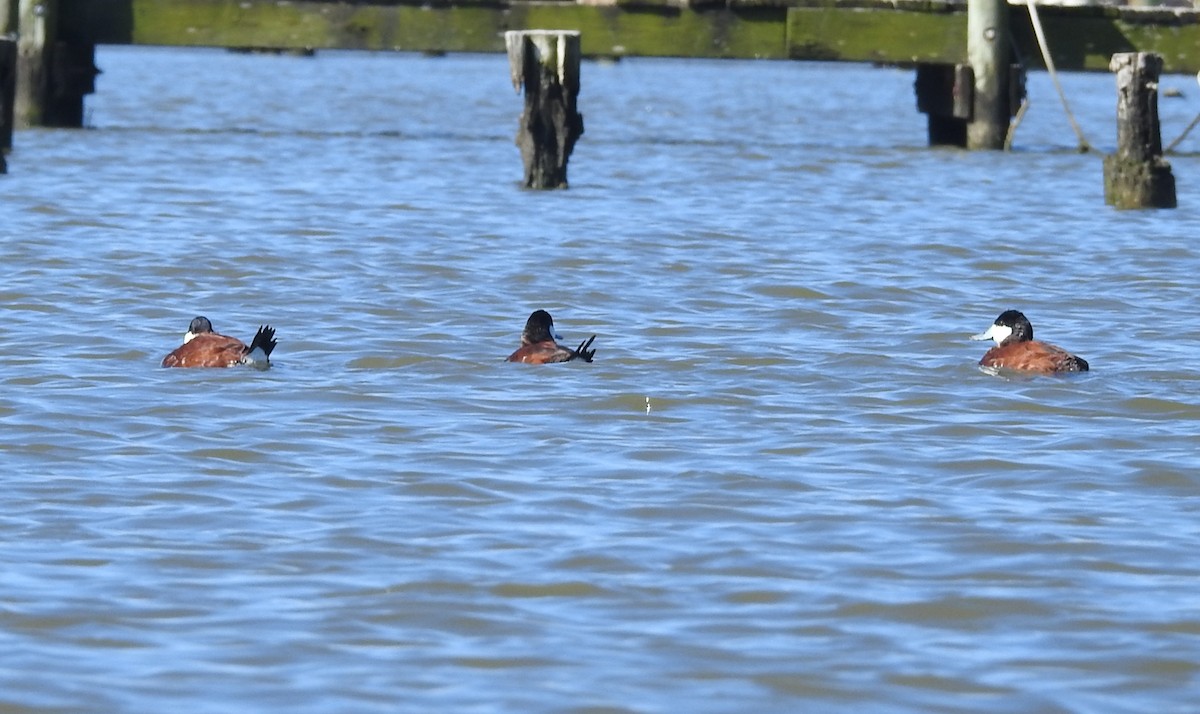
539,343
203,347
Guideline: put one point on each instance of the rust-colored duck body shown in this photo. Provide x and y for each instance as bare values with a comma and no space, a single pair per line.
202,347
540,346
1017,350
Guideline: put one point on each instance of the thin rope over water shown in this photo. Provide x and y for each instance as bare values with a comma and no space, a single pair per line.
1016,122
1084,146
1186,131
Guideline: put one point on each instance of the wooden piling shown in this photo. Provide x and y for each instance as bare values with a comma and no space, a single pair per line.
8,85
8,77
988,43
52,75
36,25
546,64
945,93
1137,175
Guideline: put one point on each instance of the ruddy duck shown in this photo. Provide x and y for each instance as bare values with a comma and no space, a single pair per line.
204,348
1016,349
538,345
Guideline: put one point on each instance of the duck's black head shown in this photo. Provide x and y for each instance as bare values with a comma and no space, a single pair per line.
1011,326
538,328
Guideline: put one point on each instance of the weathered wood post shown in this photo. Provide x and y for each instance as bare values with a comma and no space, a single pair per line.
35,25
970,105
546,63
988,42
8,85
1137,175
8,76
52,75
946,93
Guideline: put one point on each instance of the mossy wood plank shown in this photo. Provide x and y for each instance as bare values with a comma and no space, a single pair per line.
308,25
887,36
1179,46
1081,38
749,32
266,23
662,32
1088,43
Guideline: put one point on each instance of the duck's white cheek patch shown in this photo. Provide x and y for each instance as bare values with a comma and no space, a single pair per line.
188,337
999,333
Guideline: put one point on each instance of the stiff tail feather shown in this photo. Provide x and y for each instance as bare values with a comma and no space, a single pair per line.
582,352
259,352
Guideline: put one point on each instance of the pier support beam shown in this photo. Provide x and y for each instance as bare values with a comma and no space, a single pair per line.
946,93
988,42
52,75
36,25
8,86
1137,175
546,63
8,77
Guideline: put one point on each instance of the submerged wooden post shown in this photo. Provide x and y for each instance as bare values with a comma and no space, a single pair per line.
1137,175
988,42
8,76
546,63
52,75
8,84
36,23
946,94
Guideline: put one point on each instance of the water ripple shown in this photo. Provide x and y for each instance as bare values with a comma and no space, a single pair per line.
783,485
